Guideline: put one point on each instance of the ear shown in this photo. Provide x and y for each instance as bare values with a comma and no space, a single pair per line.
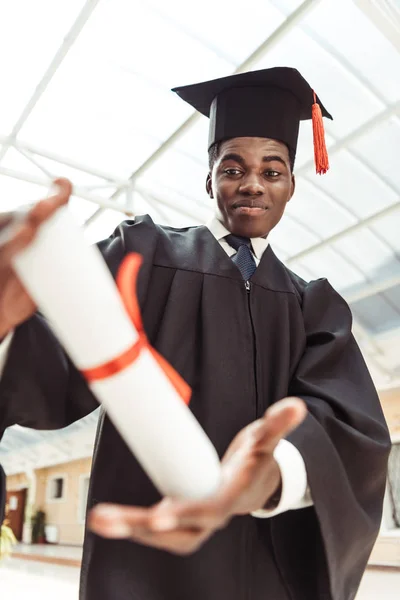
209,186
292,187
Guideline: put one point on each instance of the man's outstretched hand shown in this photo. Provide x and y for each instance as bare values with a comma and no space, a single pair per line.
250,477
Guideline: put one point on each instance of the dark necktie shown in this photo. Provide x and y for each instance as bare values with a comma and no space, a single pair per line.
243,258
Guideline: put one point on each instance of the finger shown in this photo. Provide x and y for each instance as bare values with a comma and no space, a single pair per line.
183,542
45,208
65,187
114,517
174,513
117,522
261,438
279,420
196,516
17,230
17,240
173,541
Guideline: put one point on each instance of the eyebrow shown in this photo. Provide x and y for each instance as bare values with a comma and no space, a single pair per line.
239,159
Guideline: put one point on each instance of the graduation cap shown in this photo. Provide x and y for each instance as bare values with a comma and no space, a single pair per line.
269,103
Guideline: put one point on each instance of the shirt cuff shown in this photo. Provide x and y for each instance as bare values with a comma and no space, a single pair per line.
295,492
4,349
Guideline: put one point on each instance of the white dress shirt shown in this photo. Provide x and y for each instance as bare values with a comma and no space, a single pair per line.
295,493
4,347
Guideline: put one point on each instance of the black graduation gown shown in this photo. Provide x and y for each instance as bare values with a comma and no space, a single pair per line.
240,351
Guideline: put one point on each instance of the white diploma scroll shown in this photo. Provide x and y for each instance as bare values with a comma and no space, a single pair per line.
73,288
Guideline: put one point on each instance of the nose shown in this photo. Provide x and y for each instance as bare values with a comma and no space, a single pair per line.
251,185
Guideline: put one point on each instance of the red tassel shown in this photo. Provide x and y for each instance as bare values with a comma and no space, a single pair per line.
320,151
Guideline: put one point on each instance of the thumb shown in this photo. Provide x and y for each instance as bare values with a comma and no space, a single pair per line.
279,420
46,208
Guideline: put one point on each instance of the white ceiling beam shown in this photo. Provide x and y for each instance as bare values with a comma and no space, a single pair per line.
32,159
373,288
129,199
369,87
151,199
291,21
80,192
58,58
63,160
373,354
385,16
101,174
158,210
339,145
193,34
343,62
388,211
25,149
77,191
389,336
390,111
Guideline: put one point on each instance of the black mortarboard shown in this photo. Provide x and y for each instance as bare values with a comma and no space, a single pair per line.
268,103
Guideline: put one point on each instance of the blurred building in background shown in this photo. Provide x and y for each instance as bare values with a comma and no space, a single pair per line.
49,472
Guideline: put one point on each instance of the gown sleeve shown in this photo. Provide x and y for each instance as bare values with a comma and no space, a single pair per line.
345,445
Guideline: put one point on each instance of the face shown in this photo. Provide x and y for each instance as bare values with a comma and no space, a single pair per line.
252,183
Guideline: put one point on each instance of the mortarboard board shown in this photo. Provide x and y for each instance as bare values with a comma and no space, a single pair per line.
268,103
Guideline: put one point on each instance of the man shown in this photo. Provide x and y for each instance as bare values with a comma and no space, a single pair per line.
244,332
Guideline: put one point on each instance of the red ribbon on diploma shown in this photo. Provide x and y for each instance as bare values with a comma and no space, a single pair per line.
126,282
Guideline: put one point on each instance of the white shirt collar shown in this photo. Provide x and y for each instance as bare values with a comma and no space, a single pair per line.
219,231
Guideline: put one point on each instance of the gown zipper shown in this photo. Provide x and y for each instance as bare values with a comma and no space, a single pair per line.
249,538
247,286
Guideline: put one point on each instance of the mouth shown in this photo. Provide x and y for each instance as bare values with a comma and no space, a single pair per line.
250,207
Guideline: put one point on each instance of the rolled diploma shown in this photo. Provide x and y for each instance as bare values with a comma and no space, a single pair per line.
71,284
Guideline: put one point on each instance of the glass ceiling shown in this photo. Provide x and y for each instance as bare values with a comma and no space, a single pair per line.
86,94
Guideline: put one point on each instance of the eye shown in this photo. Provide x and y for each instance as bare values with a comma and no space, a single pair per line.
232,171
272,174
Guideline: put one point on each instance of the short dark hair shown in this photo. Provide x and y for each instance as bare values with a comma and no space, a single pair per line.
214,151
